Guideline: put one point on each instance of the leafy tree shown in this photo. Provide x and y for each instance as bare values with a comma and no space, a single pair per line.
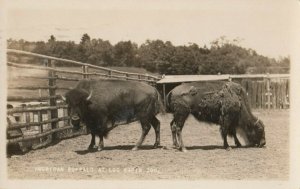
85,39
224,56
125,53
99,52
153,53
52,39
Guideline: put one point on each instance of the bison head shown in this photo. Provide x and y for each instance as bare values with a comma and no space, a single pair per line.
256,134
78,101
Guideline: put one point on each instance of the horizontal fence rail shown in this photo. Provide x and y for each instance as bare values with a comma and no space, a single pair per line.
35,109
37,136
57,60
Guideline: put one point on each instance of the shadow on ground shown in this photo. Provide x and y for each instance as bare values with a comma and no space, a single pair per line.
214,147
119,147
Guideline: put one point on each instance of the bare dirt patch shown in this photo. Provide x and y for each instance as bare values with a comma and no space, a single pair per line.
206,159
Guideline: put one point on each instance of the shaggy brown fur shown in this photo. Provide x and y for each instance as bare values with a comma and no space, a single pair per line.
223,103
104,104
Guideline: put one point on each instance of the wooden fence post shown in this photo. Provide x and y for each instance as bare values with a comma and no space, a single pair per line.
40,119
164,91
52,101
85,70
268,92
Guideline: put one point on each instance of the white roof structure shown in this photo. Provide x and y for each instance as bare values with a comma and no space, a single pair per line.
190,78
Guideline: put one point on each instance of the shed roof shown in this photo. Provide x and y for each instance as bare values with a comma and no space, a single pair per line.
190,78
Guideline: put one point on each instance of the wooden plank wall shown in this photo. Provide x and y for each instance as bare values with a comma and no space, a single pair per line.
257,93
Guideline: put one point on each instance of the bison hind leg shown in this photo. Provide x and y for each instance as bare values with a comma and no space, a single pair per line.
156,126
174,134
145,129
101,143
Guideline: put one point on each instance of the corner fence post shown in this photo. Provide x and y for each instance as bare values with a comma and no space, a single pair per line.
52,100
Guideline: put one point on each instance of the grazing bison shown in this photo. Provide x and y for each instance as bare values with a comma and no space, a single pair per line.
104,104
223,103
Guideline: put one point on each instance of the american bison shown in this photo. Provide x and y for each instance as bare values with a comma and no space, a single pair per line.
223,103
104,104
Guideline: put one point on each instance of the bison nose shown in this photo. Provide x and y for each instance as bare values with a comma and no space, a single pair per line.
262,143
75,118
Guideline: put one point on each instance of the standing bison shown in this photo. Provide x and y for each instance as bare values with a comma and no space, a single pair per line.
223,103
103,104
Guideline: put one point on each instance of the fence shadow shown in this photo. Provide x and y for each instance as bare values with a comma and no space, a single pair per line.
213,147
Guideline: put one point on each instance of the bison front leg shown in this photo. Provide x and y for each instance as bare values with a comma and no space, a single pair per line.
225,143
236,140
145,129
92,144
224,131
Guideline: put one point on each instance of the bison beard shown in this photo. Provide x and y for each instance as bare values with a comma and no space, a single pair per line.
111,103
215,102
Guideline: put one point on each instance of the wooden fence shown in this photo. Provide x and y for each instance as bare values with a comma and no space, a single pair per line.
40,116
268,91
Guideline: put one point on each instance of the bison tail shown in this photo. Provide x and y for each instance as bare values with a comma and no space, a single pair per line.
159,106
168,102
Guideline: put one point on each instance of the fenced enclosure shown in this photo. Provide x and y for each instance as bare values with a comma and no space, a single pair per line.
39,116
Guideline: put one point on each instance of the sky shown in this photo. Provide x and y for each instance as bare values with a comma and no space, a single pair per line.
265,26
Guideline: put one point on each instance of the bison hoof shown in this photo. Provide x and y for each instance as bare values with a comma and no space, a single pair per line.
228,148
91,147
100,149
184,150
156,145
134,148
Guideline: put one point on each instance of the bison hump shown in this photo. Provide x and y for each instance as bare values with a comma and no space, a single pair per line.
190,91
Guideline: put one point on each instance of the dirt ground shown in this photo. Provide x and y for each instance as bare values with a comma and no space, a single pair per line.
206,159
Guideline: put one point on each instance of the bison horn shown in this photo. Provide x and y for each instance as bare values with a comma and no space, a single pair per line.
89,97
63,98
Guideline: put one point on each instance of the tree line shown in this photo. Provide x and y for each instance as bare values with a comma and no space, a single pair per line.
222,57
